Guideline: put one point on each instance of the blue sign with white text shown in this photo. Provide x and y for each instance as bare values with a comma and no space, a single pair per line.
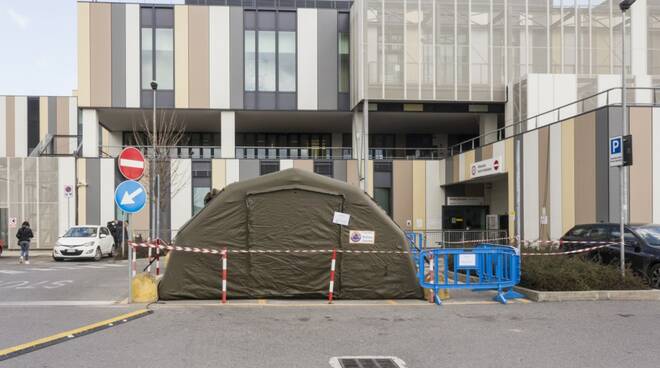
616,151
130,196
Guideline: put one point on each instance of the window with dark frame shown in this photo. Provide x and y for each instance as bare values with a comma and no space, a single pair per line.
324,167
343,63
270,59
268,166
157,54
201,184
383,185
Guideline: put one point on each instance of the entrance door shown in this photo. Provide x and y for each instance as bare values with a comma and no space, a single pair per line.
464,217
292,219
4,231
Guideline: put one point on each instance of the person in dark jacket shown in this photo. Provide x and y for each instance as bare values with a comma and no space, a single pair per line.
24,235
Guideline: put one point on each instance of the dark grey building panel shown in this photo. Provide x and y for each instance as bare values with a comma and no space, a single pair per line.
602,165
327,59
248,169
118,70
52,115
236,57
93,178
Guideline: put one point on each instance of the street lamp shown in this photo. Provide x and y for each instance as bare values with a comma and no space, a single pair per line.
155,185
624,6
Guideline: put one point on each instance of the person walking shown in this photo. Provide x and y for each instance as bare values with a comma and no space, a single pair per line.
24,235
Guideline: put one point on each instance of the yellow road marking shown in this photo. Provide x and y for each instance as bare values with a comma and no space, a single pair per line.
75,331
262,301
392,302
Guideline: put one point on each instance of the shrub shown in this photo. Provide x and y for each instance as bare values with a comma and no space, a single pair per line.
574,273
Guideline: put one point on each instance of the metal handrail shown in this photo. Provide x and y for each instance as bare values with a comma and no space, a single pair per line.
201,152
500,133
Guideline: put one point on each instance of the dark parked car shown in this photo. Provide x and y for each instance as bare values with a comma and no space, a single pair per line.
642,246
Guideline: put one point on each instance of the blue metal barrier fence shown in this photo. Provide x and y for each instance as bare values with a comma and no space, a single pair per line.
484,267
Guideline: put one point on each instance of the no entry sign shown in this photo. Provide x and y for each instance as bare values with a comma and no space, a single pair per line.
131,163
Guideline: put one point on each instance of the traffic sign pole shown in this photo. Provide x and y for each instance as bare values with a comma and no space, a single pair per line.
130,261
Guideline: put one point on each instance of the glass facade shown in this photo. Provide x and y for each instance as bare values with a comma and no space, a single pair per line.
201,184
469,50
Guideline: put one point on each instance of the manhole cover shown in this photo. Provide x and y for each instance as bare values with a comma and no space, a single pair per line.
367,362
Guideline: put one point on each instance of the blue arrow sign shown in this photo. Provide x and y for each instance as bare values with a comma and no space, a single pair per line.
130,196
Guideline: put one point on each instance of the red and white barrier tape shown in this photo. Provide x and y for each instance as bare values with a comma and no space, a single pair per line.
348,251
583,250
224,276
332,275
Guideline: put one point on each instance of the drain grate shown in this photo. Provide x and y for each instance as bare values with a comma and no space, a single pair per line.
368,363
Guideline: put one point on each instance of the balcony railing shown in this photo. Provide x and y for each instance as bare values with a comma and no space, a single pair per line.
283,153
58,145
636,96
193,152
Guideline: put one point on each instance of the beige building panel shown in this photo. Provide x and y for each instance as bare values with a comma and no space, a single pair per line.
455,168
307,165
402,198
352,173
487,152
467,164
370,175
641,172
568,174
585,168
83,55
181,56
218,173
101,55
198,43
419,195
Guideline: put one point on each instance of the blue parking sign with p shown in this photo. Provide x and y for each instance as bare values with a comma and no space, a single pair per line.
616,151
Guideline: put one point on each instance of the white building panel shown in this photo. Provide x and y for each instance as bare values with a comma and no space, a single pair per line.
286,164
307,59
219,56
132,55
434,193
232,171
66,175
107,190
181,193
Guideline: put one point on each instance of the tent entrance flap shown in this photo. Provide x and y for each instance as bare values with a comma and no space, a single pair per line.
292,219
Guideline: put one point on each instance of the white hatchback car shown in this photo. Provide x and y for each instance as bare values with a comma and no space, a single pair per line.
84,241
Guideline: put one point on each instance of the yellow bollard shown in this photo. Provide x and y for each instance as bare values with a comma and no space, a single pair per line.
144,288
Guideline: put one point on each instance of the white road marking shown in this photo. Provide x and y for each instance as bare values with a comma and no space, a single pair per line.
41,269
58,303
11,272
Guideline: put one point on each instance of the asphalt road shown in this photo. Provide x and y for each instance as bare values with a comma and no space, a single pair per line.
581,334
45,280
48,297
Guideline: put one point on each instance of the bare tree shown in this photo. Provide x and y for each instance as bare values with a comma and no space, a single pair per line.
163,174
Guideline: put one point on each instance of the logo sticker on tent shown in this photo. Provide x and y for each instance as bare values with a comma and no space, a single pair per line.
362,237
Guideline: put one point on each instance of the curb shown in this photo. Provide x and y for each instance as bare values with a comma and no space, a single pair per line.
591,295
31,346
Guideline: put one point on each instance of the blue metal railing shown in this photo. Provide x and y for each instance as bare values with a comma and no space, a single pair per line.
484,267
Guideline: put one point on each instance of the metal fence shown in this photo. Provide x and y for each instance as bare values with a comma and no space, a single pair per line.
457,238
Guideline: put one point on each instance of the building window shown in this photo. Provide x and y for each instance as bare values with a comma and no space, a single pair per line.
33,125
250,64
268,166
383,186
201,184
270,60
324,168
344,62
157,52
287,61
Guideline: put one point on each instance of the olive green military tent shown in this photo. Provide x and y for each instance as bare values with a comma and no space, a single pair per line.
290,210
